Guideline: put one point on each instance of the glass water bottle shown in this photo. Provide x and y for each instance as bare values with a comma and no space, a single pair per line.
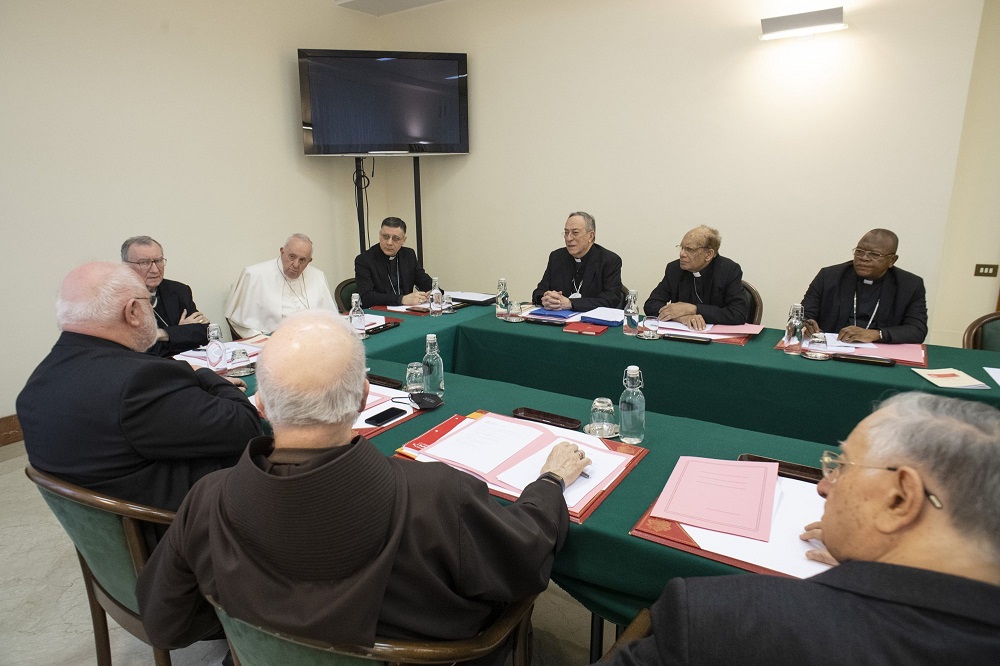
632,408
436,299
631,323
433,367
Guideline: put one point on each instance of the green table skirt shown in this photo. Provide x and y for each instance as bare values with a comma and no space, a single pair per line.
754,387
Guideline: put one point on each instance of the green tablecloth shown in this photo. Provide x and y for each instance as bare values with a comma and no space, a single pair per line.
754,387
407,342
611,573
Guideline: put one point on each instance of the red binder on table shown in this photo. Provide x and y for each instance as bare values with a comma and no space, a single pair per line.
612,460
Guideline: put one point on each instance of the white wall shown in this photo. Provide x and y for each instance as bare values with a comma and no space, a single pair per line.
657,116
973,232
179,119
175,119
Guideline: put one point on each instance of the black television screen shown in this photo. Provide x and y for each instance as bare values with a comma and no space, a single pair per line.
383,102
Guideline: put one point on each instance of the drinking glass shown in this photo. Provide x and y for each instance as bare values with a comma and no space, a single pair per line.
414,382
649,327
602,417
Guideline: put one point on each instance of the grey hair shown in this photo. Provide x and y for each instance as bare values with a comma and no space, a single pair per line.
713,239
955,442
137,240
587,217
301,237
104,307
335,403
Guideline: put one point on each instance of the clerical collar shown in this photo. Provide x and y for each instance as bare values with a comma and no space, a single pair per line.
696,273
392,258
578,260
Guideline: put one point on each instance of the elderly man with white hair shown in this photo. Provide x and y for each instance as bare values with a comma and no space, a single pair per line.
317,534
101,414
913,515
267,292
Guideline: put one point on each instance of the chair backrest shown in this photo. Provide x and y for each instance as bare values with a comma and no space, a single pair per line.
253,645
755,304
342,294
106,531
983,333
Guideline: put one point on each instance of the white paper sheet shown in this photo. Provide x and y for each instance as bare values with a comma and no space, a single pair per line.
375,393
833,344
469,295
994,374
603,463
604,314
485,446
796,505
199,358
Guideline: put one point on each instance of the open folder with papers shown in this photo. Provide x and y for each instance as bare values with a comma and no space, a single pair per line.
508,454
796,504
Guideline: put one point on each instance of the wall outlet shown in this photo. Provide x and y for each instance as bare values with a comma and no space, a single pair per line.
986,270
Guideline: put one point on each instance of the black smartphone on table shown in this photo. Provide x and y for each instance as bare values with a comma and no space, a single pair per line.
385,416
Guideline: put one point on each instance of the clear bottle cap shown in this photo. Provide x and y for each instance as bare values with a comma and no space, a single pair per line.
432,337
632,371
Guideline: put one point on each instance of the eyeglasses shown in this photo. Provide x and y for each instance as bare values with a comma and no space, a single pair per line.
144,264
868,254
394,239
573,233
691,250
832,462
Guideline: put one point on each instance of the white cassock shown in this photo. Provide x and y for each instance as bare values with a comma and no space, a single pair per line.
264,295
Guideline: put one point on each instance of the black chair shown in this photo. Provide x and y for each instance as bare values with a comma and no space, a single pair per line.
342,294
108,535
254,645
983,333
755,304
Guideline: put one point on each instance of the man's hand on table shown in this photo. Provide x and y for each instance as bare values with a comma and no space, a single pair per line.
567,461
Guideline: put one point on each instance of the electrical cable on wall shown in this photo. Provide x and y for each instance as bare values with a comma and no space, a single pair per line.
362,180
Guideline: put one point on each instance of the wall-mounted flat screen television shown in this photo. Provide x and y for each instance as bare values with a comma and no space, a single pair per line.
383,102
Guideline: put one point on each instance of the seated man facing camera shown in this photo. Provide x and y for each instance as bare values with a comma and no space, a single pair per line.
388,273
913,513
317,534
868,299
701,286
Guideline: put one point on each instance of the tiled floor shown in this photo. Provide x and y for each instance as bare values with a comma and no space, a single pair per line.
44,619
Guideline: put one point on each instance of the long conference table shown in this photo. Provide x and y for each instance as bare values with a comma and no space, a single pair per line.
712,400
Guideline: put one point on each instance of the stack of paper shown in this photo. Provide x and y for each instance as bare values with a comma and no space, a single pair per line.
950,378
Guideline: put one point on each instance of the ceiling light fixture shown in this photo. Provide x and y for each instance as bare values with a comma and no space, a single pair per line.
803,25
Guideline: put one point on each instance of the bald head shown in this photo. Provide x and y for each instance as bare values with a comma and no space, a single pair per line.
312,372
109,301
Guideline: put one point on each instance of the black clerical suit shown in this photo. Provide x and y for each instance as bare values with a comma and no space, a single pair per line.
900,296
131,425
382,280
342,544
598,275
855,613
172,299
717,292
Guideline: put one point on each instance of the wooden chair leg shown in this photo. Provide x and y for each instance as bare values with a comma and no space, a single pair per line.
161,657
102,641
